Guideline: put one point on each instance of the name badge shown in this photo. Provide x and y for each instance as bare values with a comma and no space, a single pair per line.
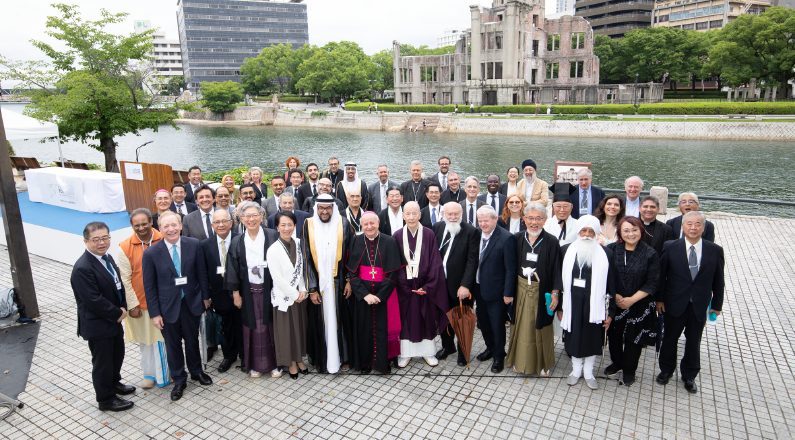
579,282
263,265
220,270
359,232
181,281
532,257
118,285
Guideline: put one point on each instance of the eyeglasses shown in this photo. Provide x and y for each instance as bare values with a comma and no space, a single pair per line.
98,240
515,202
534,219
688,202
251,215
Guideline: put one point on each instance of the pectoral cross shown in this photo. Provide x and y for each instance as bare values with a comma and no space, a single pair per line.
372,273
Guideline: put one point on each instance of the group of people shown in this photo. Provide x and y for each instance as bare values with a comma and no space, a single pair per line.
361,277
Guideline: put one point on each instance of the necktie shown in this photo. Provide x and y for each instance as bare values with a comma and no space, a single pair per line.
208,225
112,272
692,261
584,200
179,208
483,243
223,253
493,205
314,189
446,242
562,235
177,265
433,216
471,215
444,181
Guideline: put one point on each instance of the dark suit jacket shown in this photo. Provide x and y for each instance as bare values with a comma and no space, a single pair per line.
384,226
500,201
222,298
342,197
425,216
193,225
189,197
304,193
374,189
98,302
260,192
498,266
596,196
335,178
236,278
189,205
507,226
300,216
449,196
677,288
676,229
463,260
163,297
407,188
465,212
309,206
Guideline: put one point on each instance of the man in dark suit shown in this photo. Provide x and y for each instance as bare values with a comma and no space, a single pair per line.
586,197
378,189
687,202
287,203
495,285
198,224
295,180
215,250
271,204
458,244
391,218
691,283
414,189
308,189
323,187
493,197
432,214
101,307
194,182
175,282
179,204
472,201
442,177
333,173
453,192
656,233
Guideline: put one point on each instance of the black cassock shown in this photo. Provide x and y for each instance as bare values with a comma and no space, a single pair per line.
369,346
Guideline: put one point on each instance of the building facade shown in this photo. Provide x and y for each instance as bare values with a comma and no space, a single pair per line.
703,15
217,35
511,55
615,18
166,56
449,38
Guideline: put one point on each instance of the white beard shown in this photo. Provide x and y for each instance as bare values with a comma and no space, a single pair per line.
452,228
532,234
585,248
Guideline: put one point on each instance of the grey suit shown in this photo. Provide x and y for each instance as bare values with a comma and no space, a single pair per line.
375,194
193,225
465,213
270,205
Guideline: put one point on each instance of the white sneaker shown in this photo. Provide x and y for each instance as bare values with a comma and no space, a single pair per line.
403,361
146,384
276,373
544,373
572,380
431,360
255,374
592,383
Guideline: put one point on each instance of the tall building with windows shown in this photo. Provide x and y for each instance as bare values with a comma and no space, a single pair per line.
166,56
615,18
217,35
703,15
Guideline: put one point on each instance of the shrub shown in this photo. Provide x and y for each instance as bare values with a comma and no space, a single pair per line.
319,113
221,97
237,173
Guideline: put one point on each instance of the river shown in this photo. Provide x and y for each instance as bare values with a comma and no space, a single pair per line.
756,170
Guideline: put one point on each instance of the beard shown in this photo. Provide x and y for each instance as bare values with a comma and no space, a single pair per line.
586,247
453,227
534,234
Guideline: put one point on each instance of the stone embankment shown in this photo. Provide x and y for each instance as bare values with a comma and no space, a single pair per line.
463,124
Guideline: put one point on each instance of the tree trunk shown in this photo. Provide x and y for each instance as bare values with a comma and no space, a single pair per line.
108,147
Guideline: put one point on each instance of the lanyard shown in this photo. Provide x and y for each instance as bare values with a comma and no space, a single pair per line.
532,248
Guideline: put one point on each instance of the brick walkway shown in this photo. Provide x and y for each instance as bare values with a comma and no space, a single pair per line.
747,368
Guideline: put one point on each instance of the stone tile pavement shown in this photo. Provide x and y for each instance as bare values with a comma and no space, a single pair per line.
745,387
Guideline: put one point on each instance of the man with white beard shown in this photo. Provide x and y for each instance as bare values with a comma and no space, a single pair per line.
326,235
587,282
458,244
532,188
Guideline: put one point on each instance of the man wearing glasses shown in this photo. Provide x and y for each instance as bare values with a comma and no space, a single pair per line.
687,202
101,307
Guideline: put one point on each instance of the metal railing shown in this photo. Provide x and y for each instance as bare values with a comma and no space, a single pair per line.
716,198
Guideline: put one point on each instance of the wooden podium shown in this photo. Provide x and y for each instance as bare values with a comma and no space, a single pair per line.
140,181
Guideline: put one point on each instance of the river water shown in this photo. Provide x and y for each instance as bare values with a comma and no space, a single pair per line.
759,170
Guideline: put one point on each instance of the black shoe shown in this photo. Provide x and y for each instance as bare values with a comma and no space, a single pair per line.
486,355
211,352
293,376
462,362
627,379
124,390
497,366
116,404
203,378
365,371
690,386
611,370
304,371
443,353
225,365
176,393
663,378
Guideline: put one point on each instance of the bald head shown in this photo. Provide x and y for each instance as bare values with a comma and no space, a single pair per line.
411,214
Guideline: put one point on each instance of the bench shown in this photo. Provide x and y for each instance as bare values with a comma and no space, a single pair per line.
74,165
24,163
180,176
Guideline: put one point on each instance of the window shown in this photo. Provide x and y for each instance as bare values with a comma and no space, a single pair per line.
552,70
498,41
498,70
576,68
578,40
714,24
553,42
702,25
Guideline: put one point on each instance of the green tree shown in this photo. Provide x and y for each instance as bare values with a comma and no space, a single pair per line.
90,87
760,47
175,85
384,71
338,69
268,71
221,97
612,62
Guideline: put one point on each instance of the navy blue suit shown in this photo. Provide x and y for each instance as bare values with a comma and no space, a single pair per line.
181,316
497,279
99,306
687,300
596,196
676,229
231,325
300,217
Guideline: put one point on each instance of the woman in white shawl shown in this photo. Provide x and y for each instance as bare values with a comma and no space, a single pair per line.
287,296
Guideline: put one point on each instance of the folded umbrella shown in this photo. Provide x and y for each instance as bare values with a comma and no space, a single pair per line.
462,319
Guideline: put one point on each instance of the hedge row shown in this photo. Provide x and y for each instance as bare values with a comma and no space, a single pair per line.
287,98
668,108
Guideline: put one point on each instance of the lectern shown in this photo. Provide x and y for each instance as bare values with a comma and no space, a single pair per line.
140,181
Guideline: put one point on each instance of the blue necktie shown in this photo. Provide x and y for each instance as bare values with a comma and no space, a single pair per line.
433,216
177,265
112,272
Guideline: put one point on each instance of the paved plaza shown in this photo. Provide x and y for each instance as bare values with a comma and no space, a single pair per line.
745,386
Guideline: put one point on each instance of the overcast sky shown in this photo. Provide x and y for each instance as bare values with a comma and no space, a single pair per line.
374,24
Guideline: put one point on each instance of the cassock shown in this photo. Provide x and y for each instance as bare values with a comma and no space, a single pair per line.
656,234
452,196
372,267
354,221
422,317
415,192
565,232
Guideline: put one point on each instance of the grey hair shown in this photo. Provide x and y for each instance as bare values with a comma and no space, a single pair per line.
687,194
466,181
487,210
585,172
225,212
244,206
642,183
252,169
535,206
698,214
416,162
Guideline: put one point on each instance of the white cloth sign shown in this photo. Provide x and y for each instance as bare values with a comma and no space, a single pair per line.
81,190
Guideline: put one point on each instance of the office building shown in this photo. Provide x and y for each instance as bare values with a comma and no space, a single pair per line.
703,15
615,18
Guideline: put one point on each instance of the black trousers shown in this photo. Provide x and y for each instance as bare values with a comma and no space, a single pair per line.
107,355
232,328
448,335
185,329
693,328
624,355
491,322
